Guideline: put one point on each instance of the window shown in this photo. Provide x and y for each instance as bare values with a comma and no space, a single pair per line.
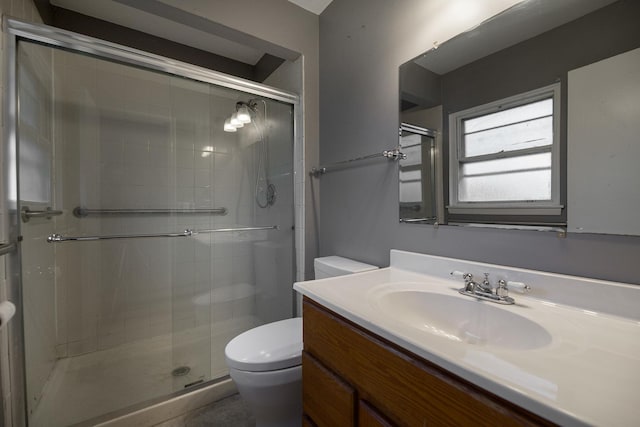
504,156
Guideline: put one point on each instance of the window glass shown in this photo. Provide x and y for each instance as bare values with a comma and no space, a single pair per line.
522,178
518,128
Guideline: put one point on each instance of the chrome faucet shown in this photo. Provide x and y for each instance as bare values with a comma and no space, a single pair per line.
484,290
485,285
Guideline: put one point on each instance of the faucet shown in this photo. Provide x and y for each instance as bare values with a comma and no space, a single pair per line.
484,290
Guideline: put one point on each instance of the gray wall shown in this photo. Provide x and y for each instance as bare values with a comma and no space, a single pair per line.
362,43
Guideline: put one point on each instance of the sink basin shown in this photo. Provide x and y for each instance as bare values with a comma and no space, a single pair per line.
461,319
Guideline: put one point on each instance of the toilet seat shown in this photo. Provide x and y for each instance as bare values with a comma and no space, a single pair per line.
269,347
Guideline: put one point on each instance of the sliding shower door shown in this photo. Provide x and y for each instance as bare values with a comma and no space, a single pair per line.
151,236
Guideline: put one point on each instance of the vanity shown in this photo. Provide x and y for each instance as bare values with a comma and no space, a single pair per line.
402,346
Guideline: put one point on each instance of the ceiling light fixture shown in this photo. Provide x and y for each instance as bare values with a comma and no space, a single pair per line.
241,117
235,121
243,114
228,127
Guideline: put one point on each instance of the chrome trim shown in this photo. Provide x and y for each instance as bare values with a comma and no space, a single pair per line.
487,297
26,213
418,129
7,248
15,413
80,212
66,39
418,220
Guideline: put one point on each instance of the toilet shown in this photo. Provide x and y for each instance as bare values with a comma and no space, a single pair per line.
266,362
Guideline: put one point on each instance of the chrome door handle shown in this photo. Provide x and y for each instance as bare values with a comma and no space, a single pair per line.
48,213
6,248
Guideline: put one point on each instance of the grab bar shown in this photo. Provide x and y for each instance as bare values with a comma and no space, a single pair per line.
80,212
57,238
7,248
48,213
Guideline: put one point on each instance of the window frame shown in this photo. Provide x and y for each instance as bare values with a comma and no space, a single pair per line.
456,159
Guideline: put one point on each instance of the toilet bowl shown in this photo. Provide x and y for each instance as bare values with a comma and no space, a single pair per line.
265,362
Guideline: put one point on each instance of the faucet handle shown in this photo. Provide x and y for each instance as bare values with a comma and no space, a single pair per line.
467,277
456,273
502,290
518,287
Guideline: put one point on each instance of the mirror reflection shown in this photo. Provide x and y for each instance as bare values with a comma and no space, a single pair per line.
417,174
496,101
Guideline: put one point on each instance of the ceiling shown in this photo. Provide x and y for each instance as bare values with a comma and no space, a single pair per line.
521,22
170,23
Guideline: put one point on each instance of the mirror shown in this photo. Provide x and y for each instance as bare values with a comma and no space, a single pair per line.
538,50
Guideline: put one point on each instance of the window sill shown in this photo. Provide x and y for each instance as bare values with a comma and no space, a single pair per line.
484,209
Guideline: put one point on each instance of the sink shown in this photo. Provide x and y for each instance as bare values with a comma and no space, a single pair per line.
460,318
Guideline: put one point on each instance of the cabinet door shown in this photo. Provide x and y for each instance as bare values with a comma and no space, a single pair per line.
327,399
368,416
306,422
409,390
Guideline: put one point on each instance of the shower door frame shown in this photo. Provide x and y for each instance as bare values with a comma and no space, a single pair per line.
16,30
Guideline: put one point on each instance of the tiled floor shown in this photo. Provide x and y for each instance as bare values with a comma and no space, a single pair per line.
229,412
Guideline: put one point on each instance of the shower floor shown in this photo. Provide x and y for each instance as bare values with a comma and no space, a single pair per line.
90,385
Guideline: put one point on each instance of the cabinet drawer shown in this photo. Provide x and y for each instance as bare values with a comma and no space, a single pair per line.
327,400
404,387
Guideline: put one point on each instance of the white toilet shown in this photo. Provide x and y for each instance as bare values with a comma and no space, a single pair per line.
265,362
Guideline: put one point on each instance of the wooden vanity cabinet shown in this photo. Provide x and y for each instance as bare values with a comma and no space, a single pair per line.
351,377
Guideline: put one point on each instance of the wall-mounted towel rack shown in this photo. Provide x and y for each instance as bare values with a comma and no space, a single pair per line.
81,212
57,238
393,154
413,220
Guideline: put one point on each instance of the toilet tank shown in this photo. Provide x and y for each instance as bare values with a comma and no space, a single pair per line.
331,266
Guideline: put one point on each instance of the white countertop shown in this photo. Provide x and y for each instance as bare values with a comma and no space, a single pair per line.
587,374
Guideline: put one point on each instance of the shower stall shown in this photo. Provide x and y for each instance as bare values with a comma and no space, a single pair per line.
149,236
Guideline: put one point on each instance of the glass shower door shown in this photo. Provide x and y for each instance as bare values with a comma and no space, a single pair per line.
156,250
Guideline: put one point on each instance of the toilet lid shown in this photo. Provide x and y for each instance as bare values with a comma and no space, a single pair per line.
269,347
